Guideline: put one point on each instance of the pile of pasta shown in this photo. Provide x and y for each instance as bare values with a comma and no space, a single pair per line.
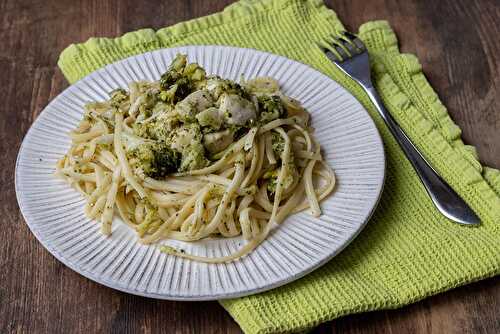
227,199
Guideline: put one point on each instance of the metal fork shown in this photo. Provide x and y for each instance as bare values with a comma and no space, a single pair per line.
352,58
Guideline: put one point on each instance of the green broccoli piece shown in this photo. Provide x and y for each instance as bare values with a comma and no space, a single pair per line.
166,160
162,128
179,63
184,87
177,91
270,108
168,79
184,136
168,95
141,130
180,79
193,157
156,160
174,71
194,72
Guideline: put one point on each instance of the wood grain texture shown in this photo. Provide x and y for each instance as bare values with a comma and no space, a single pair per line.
457,43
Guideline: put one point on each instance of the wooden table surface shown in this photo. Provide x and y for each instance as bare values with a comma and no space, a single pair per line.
457,42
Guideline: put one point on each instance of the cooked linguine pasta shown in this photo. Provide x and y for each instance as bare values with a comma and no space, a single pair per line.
193,156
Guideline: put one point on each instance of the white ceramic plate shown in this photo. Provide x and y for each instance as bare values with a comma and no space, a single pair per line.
54,211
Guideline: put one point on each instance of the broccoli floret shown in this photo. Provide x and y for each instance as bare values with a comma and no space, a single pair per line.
174,71
184,136
143,130
163,127
168,79
270,108
193,157
179,63
184,87
172,82
180,80
176,91
162,157
160,126
166,160
194,72
168,95
156,160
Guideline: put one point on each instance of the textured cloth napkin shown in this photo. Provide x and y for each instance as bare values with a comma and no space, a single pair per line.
408,250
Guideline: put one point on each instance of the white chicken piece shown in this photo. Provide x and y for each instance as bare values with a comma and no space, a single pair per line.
217,141
211,117
193,104
237,110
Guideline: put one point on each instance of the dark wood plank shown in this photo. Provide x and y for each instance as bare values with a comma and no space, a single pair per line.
457,43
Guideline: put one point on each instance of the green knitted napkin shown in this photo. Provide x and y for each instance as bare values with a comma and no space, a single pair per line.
408,251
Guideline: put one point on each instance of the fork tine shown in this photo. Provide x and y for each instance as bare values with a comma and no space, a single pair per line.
332,55
354,39
350,46
329,51
338,45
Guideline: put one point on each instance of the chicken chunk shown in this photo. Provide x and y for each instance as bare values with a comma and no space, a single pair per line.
237,110
217,141
194,103
211,117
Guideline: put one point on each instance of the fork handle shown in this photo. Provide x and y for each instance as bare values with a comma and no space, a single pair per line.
446,200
